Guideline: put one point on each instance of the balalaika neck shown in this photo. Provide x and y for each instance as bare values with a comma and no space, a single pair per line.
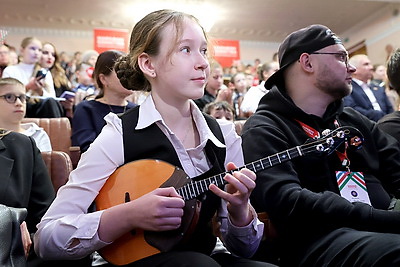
195,188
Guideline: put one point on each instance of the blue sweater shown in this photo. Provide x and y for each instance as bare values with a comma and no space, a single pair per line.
88,121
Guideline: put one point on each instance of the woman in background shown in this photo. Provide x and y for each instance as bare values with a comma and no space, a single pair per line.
50,61
89,115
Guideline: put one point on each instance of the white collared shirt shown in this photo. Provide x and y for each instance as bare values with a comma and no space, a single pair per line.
67,218
368,91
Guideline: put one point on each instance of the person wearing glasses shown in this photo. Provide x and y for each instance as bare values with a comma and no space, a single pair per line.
327,209
24,178
13,109
368,98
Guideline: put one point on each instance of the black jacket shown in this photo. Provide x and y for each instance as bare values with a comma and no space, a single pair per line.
25,181
302,195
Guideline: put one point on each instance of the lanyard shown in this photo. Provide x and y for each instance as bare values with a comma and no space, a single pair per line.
311,132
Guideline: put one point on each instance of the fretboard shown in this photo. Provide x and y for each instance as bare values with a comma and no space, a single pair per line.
195,188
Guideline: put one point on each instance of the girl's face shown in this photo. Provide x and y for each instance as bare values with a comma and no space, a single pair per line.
182,74
216,79
48,56
11,113
112,83
32,52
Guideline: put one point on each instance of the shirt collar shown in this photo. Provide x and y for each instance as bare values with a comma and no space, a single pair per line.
148,114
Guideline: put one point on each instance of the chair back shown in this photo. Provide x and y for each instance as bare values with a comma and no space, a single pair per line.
58,129
59,165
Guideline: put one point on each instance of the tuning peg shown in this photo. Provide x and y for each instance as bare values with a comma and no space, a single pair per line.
326,132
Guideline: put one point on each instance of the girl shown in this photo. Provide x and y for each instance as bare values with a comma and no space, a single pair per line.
168,57
12,111
89,115
41,90
50,60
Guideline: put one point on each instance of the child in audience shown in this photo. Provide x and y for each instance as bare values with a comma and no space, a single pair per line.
220,110
215,82
24,183
239,84
12,111
85,86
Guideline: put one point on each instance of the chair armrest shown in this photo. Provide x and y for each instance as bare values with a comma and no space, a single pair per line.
75,154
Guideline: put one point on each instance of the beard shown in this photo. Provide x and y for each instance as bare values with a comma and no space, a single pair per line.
336,88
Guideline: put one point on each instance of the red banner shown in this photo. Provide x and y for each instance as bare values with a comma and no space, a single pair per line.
226,52
111,39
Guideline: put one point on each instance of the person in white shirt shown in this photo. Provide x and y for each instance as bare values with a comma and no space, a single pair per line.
39,89
255,93
12,111
168,57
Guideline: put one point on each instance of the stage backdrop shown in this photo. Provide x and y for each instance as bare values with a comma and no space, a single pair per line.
226,52
111,39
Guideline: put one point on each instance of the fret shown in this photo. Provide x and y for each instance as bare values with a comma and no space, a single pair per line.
202,188
197,188
186,192
192,191
277,156
298,149
270,163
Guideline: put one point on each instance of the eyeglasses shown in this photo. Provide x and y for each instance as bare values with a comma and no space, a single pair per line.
342,56
11,98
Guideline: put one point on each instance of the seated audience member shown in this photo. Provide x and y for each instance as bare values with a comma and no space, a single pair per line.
379,77
255,93
14,58
25,183
90,57
85,86
166,47
40,89
50,61
330,209
12,111
4,57
71,68
214,83
238,84
89,114
391,122
220,110
369,99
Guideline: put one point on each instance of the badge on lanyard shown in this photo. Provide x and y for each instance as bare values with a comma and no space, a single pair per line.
352,186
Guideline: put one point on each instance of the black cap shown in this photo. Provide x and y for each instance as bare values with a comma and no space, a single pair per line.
306,40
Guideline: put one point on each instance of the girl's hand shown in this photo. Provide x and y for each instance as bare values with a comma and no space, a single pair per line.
159,210
237,193
26,238
35,86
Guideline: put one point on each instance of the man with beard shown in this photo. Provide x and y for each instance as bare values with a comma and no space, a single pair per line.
327,209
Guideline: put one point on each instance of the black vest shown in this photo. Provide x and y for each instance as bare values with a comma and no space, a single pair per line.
151,143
